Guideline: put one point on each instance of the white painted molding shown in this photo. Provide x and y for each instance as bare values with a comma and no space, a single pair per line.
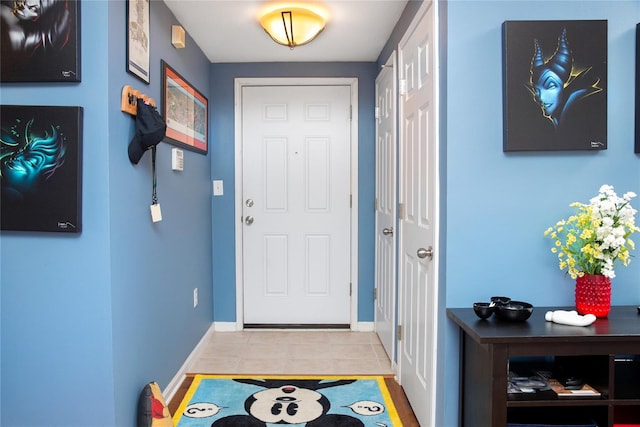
177,380
226,327
364,327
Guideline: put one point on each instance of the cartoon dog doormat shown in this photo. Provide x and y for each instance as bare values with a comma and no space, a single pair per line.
226,401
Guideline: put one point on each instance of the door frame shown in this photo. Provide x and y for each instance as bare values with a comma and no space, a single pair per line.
239,83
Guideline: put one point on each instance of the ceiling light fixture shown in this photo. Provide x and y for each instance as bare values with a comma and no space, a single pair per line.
293,26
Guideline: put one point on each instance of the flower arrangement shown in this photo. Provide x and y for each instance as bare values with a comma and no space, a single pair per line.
590,241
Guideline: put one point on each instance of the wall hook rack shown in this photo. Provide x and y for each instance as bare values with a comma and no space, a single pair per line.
129,100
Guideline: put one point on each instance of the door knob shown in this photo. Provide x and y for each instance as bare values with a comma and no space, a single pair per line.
248,220
387,231
425,253
249,203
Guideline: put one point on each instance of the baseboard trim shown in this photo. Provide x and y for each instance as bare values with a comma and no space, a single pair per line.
303,326
227,326
177,380
364,327
234,326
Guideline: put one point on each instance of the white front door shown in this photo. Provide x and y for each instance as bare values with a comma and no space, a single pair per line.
385,249
418,198
296,171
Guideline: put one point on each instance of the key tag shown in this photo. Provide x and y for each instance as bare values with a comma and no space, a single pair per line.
156,214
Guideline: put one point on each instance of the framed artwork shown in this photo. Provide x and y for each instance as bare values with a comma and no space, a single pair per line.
40,43
138,38
637,146
186,112
555,85
41,168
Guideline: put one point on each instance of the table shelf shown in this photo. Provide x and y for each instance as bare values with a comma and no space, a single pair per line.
606,354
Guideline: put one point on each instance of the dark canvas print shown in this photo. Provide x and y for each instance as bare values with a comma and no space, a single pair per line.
555,85
40,40
40,168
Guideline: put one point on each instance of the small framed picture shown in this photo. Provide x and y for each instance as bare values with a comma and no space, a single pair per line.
40,43
138,39
186,112
555,85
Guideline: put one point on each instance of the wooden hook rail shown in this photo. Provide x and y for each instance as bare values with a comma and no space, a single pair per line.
129,100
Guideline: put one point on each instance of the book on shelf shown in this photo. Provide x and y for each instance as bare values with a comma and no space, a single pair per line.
585,391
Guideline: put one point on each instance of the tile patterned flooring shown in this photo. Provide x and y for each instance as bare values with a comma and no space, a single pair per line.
292,352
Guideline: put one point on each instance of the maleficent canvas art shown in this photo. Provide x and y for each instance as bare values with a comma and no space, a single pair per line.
555,85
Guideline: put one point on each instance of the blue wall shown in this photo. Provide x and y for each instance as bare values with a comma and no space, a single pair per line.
87,320
102,313
497,204
223,161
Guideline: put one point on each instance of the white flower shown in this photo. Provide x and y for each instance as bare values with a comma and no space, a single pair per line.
598,235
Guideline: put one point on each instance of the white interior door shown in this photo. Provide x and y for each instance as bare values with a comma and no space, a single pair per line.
418,196
385,249
296,204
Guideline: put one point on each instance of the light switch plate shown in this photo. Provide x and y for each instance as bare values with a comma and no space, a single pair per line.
218,189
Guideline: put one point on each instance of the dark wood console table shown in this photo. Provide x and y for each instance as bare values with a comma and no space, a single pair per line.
488,347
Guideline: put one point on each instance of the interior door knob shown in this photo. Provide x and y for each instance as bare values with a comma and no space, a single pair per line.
387,231
249,203
248,220
425,253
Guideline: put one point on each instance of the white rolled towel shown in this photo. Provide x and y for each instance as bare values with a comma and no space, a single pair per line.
571,318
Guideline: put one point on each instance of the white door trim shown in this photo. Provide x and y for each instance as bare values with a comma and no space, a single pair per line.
278,81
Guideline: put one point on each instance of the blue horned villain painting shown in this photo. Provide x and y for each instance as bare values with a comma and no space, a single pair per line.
555,85
40,168
40,41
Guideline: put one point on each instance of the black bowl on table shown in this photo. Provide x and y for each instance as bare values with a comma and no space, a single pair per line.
514,311
483,310
500,300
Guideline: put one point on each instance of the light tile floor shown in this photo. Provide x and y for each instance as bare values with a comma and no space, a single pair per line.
293,352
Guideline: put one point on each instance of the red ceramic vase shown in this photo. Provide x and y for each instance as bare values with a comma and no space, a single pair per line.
593,295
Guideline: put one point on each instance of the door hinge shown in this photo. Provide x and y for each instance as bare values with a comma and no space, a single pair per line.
401,211
375,294
399,332
350,289
350,112
402,86
350,201
375,204
376,112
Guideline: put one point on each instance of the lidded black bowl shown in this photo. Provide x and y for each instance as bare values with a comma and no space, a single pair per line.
514,311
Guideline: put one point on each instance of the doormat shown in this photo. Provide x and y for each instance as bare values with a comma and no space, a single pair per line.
309,401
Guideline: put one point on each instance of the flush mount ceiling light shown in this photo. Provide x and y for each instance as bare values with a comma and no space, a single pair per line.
292,26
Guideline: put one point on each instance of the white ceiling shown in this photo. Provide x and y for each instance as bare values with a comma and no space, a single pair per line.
228,30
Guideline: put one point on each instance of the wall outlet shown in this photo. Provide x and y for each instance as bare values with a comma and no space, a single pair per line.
195,297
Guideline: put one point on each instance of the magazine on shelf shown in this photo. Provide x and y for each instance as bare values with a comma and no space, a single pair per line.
533,387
